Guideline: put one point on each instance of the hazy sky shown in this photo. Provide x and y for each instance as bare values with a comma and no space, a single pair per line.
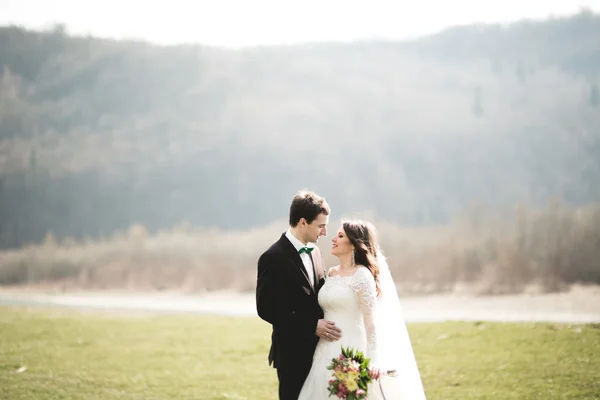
250,22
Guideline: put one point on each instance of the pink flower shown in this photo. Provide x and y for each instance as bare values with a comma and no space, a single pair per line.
342,388
374,373
341,395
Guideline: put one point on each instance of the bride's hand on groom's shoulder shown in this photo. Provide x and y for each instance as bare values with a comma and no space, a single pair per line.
328,331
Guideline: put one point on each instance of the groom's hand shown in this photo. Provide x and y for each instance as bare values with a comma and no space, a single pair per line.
328,331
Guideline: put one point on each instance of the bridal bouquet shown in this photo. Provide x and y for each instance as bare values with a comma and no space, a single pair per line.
351,375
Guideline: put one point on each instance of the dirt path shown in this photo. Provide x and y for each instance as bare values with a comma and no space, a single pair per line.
580,305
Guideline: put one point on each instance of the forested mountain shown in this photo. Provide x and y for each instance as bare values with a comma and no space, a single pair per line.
98,134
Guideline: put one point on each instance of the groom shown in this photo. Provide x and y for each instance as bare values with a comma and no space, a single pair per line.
290,274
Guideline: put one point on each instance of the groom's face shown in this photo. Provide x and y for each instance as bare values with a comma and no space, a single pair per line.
316,229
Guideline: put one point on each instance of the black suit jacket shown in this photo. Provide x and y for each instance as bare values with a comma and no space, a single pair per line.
286,300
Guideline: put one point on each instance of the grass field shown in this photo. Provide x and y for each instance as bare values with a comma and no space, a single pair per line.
61,354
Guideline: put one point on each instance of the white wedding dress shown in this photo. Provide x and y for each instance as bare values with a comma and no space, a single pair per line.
374,325
349,301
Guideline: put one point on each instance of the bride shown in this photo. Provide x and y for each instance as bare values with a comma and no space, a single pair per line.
360,296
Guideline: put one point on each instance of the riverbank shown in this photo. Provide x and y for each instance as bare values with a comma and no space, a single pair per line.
580,304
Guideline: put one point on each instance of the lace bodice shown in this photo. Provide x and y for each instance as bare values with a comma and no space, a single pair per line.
350,301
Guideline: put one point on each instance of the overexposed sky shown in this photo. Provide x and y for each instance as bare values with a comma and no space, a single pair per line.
236,23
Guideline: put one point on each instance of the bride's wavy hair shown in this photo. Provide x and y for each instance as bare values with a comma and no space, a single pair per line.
363,237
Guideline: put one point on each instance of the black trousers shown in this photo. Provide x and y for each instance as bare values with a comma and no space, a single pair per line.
292,377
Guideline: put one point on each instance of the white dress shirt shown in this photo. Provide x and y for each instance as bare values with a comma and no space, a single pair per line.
304,256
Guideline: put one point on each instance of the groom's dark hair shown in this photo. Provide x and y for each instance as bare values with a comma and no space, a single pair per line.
307,205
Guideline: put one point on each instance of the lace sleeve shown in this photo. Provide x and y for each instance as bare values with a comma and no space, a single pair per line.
363,285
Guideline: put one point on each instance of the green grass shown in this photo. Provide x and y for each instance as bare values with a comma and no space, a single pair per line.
73,355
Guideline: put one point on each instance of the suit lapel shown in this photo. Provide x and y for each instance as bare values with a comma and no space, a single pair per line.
319,271
315,277
298,265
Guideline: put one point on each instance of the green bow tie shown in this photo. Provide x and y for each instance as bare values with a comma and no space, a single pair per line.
305,249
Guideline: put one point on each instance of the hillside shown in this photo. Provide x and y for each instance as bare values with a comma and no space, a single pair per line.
96,135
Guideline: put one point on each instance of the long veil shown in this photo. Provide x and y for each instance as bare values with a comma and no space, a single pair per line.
394,349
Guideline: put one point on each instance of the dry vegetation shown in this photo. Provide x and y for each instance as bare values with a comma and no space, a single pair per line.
547,249
99,135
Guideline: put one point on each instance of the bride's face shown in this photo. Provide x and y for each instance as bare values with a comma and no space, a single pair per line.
340,244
